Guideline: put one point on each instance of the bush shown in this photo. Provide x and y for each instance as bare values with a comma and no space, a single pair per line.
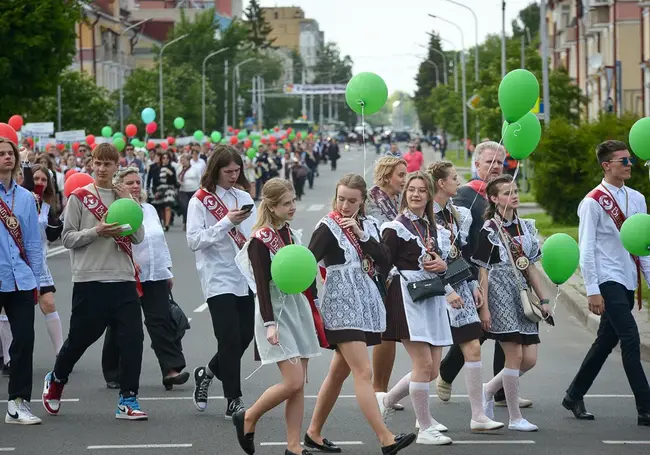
565,166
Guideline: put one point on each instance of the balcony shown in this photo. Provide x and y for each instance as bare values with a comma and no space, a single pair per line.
597,19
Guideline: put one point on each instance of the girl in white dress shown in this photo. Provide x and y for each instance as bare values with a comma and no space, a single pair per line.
284,326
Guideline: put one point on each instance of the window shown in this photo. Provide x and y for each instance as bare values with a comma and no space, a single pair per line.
276,15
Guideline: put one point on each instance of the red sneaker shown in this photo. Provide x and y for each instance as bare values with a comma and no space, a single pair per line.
52,391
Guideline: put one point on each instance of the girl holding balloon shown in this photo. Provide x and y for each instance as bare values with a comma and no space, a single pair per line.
284,326
506,243
348,244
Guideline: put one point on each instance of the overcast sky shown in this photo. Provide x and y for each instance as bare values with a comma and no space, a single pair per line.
383,36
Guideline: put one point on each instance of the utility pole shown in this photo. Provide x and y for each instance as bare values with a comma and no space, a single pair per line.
225,99
523,52
545,88
304,97
503,43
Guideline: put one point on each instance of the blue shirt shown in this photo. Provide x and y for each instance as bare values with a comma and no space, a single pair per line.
14,272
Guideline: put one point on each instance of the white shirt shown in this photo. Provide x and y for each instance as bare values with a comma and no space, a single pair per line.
214,249
152,255
602,256
191,179
199,163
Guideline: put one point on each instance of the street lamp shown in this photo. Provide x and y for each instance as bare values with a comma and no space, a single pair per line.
435,67
130,27
205,60
444,61
235,73
454,61
160,64
464,81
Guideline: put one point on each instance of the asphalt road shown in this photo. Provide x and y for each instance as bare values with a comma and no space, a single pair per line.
86,423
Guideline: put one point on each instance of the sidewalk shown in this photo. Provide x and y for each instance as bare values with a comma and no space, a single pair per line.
572,293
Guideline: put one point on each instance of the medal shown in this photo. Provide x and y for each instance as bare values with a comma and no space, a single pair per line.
12,222
453,252
365,265
522,263
427,258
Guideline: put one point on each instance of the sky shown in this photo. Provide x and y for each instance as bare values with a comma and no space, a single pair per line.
384,36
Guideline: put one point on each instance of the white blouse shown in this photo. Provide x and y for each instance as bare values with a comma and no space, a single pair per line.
191,179
152,255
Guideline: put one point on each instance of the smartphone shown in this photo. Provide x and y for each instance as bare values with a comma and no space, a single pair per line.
247,208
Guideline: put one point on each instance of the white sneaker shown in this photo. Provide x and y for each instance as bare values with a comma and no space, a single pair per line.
523,403
479,427
386,412
19,413
434,424
432,437
443,389
522,425
488,404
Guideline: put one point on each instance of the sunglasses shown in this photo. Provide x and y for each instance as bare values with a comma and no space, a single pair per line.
631,161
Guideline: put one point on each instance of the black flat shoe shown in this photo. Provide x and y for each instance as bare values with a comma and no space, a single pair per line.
577,407
180,378
644,419
304,452
112,385
402,441
246,440
325,447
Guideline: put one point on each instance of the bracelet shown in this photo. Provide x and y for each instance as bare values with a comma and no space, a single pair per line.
269,324
544,301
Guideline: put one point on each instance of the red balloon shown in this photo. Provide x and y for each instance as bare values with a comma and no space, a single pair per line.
298,134
230,129
233,140
69,173
30,141
60,147
16,122
151,127
276,129
151,145
171,140
236,132
75,146
263,140
273,139
164,145
283,137
131,130
90,139
76,180
8,132
289,130
248,143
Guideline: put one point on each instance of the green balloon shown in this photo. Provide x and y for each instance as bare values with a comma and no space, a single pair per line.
119,143
640,138
118,134
179,123
251,153
224,141
366,90
282,151
242,135
285,142
257,143
521,137
560,257
215,136
635,234
293,269
265,132
107,131
255,136
199,135
518,93
125,211
292,136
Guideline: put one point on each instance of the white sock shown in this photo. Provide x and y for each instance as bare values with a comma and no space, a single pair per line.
6,338
474,384
419,392
53,323
494,385
398,392
511,391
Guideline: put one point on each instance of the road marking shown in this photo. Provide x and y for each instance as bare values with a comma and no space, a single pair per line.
7,449
202,308
315,207
56,250
338,443
70,400
140,446
523,441
625,442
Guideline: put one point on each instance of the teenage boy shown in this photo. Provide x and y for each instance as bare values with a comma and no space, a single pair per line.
105,288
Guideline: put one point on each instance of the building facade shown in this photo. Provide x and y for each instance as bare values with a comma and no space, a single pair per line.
311,43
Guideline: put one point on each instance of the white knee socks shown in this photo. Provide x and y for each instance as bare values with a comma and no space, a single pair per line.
53,323
419,392
511,391
474,385
398,392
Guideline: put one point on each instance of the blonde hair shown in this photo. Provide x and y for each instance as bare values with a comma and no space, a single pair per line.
272,193
385,167
354,182
428,210
121,174
440,170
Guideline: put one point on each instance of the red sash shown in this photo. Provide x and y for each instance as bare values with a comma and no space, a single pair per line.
273,242
479,186
12,225
98,209
610,206
218,209
336,216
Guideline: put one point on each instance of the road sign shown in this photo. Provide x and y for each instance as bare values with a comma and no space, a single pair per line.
474,101
535,109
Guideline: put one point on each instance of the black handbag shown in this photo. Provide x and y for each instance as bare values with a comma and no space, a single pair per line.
458,271
177,319
424,289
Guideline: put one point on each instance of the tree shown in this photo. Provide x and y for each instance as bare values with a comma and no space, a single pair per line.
527,19
333,68
84,105
259,29
38,42
426,80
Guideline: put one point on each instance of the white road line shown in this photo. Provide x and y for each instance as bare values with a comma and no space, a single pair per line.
523,441
7,449
338,443
70,400
626,442
202,308
56,251
140,446
315,207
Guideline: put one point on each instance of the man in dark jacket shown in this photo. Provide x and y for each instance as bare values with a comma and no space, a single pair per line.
488,158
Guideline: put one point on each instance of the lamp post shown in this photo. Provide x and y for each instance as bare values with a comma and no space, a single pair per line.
160,74
130,27
455,61
205,60
435,67
464,81
444,62
235,74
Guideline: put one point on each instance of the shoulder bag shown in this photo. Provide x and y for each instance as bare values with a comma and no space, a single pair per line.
458,271
424,289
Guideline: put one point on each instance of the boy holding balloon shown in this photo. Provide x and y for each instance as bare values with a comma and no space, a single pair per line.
105,285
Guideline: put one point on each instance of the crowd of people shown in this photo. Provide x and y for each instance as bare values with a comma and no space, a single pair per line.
415,258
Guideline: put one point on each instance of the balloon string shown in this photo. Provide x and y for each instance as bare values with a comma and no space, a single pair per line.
363,136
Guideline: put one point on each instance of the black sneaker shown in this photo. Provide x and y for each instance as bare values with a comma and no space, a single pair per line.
5,369
201,386
234,406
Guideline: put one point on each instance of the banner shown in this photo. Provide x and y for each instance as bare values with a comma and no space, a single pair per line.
70,136
38,129
314,89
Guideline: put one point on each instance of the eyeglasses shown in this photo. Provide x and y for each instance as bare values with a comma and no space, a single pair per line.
631,161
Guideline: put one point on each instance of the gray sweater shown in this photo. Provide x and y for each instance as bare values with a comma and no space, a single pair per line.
95,258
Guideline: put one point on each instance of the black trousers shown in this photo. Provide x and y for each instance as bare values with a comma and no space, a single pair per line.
233,321
95,306
184,198
616,323
454,361
164,341
19,307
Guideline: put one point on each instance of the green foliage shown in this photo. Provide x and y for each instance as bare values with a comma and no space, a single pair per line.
547,227
84,105
38,42
527,21
426,81
258,28
565,166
